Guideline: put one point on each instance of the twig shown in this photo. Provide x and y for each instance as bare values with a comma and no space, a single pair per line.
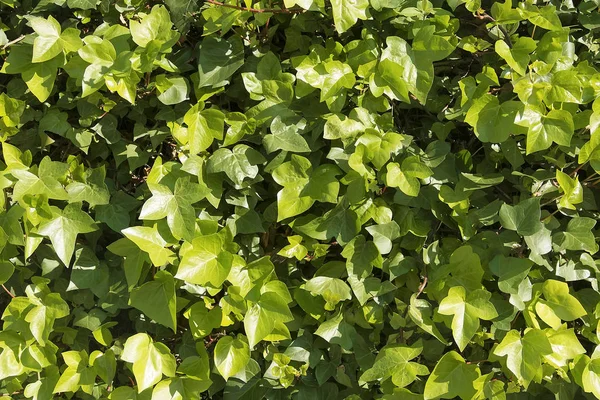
502,29
577,169
8,291
17,40
259,10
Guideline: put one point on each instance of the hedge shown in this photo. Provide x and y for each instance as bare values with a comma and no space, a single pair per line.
299,199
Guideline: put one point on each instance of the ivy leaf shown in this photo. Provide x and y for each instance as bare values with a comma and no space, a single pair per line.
467,309
384,235
493,121
172,90
332,290
156,299
516,57
394,361
452,377
260,319
176,207
346,13
523,218
572,189
302,186
511,272
286,137
238,164
204,125
294,249
558,303
231,355
565,347
94,190
406,177
578,235
524,354
557,126
50,40
202,320
149,240
150,360
63,228
205,262
218,61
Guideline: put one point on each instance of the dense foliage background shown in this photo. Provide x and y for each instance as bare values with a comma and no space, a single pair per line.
349,199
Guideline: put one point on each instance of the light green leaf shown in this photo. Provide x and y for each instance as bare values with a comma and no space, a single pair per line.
524,354
347,12
204,125
176,207
572,190
149,240
493,121
452,377
260,319
150,360
394,361
231,355
171,90
467,309
578,235
239,164
206,262
63,228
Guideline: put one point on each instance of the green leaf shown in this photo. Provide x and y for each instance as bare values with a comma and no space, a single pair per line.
156,299
63,227
218,61
204,125
154,27
511,272
231,355
150,360
394,361
578,235
286,137
346,13
406,177
559,303
517,56
238,164
47,44
332,290
467,309
260,319
175,206
557,126
302,186
493,121
149,240
524,354
205,262
572,189
523,218
452,377
172,90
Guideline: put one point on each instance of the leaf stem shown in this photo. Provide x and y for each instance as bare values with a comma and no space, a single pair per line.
259,10
505,33
8,291
17,40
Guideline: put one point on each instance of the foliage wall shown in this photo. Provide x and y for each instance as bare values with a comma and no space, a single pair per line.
349,199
